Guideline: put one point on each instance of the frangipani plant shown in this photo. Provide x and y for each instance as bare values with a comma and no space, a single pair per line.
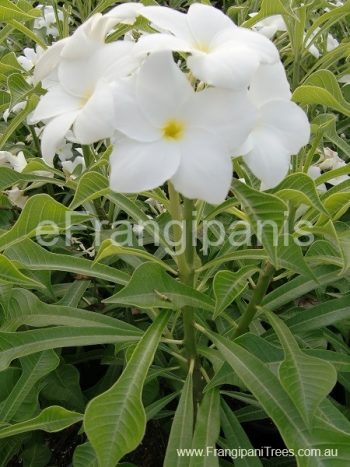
182,212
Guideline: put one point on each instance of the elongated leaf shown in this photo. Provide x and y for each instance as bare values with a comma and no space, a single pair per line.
110,248
266,388
25,308
10,274
19,88
300,188
266,214
33,256
236,437
182,428
320,316
322,88
18,344
207,430
150,287
115,421
34,367
307,380
91,185
52,419
8,11
41,214
290,257
84,456
229,285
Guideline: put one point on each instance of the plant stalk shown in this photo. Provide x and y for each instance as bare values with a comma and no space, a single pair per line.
258,295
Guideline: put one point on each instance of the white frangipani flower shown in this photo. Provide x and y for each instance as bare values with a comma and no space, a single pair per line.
282,127
17,162
126,13
17,197
15,109
331,43
70,166
221,54
83,97
270,25
48,20
30,57
174,133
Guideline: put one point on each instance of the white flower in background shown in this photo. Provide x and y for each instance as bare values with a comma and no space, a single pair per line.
174,133
331,43
314,172
331,161
345,79
83,97
18,162
270,26
16,197
70,166
48,20
282,127
126,13
30,57
221,54
15,109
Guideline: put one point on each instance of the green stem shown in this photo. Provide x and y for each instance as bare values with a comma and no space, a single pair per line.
185,262
258,295
88,155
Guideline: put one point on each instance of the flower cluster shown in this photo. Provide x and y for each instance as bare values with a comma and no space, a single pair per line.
178,99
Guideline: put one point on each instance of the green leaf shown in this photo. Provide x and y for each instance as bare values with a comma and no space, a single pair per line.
24,308
207,430
34,368
91,185
9,178
51,419
110,248
299,188
41,215
19,88
84,456
182,427
36,455
10,274
266,388
115,421
19,119
323,252
290,257
266,214
320,316
35,257
18,344
228,286
236,437
322,88
268,8
307,380
151,287
8,11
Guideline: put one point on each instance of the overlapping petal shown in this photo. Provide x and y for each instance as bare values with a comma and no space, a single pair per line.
137,167
205,170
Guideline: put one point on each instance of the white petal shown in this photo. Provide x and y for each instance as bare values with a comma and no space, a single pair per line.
269,161
138,167
158,42
167,19
205,170
94,121
53,134
205,22
287,122
49,60
161,88
227,114
129,118
126,13
269,82
227,68
54,102
251,40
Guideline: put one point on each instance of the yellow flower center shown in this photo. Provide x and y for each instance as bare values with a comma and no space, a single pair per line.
173,129
203,47
85,97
